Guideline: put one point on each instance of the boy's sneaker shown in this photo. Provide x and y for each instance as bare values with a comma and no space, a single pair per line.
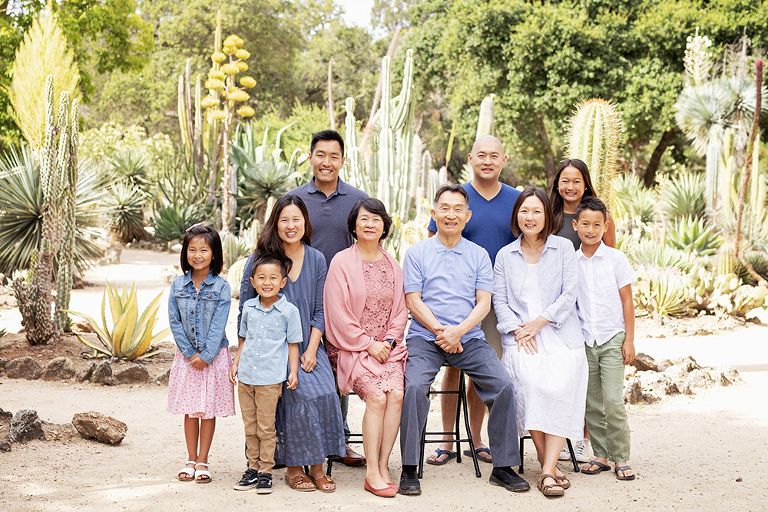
264,485
249,480
581,449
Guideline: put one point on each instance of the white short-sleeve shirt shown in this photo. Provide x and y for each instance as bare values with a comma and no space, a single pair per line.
599,303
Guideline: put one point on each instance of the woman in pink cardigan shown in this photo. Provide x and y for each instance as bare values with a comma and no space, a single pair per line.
365,317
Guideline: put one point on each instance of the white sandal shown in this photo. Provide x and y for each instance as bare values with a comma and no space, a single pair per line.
186,474
202,473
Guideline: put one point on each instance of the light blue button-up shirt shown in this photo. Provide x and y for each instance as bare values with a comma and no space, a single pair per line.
448,280
267,332
198,318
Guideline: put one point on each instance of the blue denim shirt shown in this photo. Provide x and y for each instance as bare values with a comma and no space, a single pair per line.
558,280
198,319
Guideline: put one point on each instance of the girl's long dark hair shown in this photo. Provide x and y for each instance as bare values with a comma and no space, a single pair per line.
556,200
269,241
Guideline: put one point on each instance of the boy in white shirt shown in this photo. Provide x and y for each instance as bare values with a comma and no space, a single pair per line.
607,317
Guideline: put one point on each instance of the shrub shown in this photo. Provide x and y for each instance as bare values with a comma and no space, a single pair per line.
648,252
683,196
632,200
171,222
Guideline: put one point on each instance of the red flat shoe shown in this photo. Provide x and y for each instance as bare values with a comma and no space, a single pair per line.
386,492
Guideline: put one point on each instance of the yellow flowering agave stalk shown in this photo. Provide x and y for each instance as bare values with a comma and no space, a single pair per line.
131,334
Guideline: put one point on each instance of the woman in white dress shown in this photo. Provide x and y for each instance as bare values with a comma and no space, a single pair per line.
534,295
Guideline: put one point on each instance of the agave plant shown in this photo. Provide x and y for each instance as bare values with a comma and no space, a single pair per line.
648,252
631,199
683,196
171,222
126,207
21,203
662,292
694,235
131,333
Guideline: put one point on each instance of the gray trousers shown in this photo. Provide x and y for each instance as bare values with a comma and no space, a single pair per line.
493,385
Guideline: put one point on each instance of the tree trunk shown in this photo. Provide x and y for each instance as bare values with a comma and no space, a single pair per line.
377,97
549,158
649,176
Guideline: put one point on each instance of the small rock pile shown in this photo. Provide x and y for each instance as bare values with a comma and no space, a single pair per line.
25,426
62,368
646,380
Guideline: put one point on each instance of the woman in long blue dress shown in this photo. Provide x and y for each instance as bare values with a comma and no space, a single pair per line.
308,420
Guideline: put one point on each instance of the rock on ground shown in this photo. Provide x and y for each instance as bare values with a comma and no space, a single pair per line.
60,368
102,374
103,428
162,378
132,375
26,426
24,368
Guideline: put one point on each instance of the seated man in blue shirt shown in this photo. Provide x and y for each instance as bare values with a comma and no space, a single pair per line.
448,282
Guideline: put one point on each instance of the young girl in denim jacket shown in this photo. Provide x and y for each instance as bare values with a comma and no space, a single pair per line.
198,386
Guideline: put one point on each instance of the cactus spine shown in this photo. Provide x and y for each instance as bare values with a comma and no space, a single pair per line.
58,177
594,136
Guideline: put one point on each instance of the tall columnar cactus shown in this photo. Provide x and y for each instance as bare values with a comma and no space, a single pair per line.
58,177
230,250
485,122
594,136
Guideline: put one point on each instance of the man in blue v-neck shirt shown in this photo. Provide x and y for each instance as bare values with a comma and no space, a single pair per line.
491,203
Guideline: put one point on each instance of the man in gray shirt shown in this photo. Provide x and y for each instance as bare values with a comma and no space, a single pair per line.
329,201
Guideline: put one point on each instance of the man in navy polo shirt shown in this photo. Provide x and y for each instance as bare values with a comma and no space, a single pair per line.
329,201
448,282
490,227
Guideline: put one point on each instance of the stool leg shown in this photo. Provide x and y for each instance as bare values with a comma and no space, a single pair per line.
464,406
421,449
330,466
573,456
522,454
459,403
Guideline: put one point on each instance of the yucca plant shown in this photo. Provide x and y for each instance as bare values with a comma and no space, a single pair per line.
131,166
695,235
171,222
21,207
126,208
683,196
131,333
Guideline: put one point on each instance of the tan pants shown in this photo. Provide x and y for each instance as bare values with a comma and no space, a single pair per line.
258,405
492,335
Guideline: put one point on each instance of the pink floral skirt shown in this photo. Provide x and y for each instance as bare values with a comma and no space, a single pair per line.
391,378
205,393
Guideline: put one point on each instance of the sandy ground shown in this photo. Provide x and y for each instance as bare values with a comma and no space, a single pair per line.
709,451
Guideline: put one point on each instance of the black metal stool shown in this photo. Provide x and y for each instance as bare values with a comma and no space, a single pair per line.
461,404
353,439
570,449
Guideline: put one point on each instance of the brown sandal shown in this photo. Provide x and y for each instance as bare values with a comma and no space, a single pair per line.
563,481
550,491
297,482
327,480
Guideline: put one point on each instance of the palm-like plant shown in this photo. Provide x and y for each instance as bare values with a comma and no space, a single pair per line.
21,202
126,209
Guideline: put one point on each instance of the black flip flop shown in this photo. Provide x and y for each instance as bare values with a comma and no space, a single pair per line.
623,468
440,452
600,468
478,451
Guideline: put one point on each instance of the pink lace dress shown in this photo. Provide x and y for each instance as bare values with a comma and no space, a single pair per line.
379,281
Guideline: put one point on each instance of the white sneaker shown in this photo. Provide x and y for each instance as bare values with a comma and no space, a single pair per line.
583,450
